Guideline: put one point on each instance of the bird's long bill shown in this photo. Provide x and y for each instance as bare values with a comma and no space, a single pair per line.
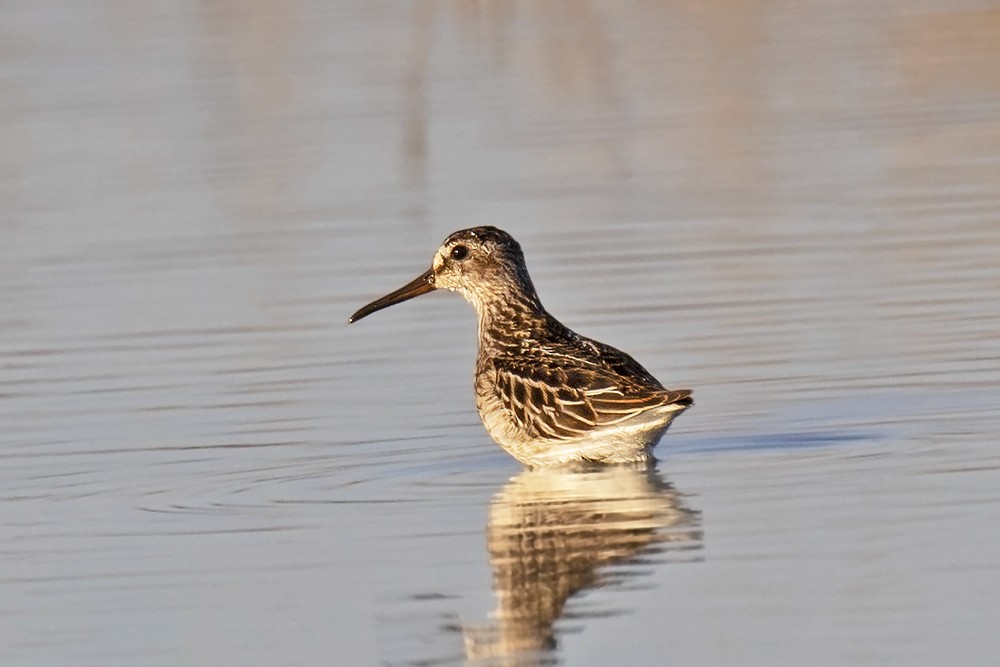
422,284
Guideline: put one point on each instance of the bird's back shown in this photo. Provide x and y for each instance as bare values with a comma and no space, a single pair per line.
548,395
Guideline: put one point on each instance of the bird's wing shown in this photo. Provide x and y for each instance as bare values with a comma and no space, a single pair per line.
561,403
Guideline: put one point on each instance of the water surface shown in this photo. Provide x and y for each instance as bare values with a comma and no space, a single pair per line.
792,208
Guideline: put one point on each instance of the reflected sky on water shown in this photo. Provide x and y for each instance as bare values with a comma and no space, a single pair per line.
791,208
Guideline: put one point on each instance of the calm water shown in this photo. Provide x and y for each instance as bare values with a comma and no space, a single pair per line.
793,208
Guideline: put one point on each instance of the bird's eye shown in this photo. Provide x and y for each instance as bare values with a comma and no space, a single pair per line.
459,252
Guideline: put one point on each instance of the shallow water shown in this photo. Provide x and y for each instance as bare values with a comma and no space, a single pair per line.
792,208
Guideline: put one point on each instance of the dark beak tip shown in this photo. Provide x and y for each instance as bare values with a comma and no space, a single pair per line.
358,315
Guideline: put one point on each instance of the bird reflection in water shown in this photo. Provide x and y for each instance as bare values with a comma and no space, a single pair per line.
552,533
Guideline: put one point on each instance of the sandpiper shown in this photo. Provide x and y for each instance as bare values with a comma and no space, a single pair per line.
546,394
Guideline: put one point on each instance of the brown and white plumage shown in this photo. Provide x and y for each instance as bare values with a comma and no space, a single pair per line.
546,394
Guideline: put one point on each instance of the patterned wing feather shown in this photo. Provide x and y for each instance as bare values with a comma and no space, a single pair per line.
565,404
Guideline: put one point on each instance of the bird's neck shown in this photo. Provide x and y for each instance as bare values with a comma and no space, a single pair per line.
514,318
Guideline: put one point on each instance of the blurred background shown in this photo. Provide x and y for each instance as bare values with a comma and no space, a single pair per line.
792,207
